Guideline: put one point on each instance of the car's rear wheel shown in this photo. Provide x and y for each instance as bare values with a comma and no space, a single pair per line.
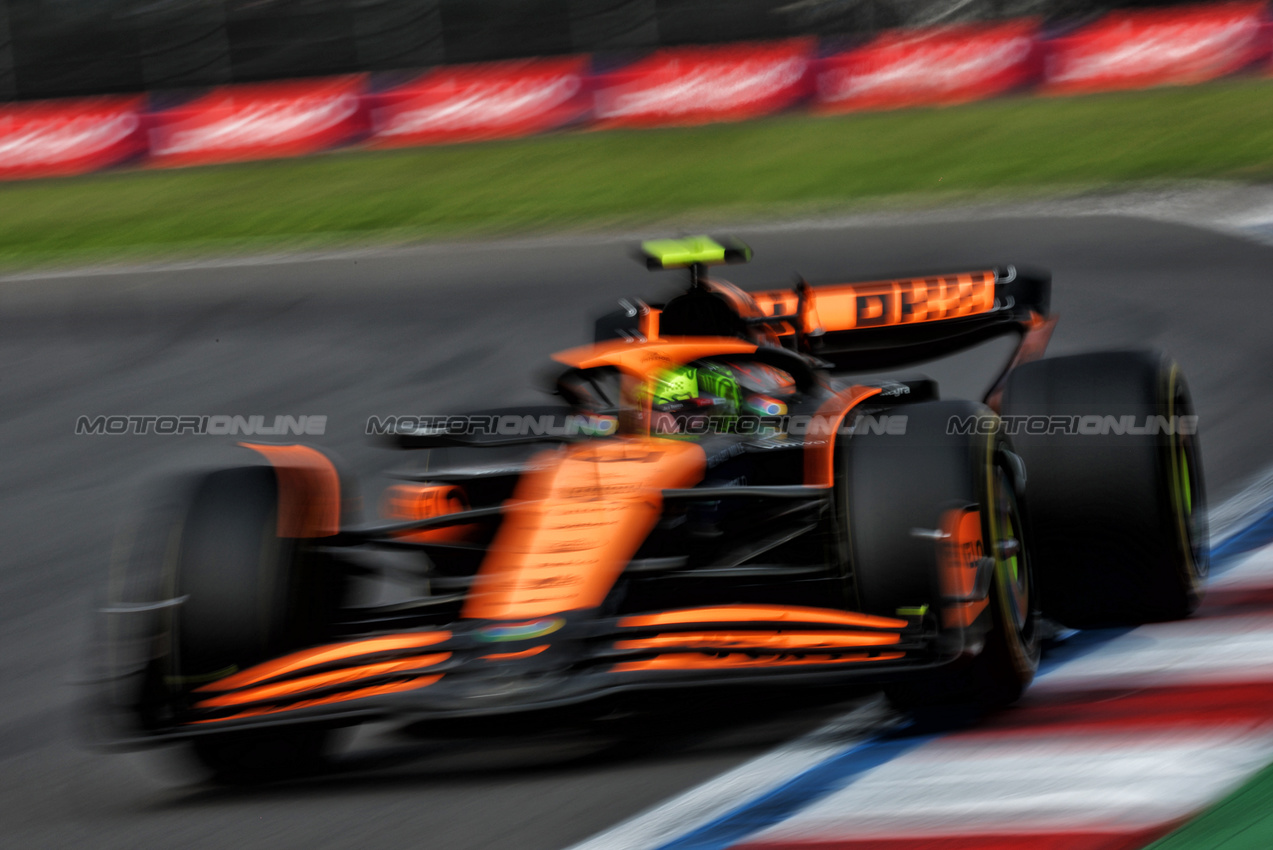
250,595
1117,502
944,497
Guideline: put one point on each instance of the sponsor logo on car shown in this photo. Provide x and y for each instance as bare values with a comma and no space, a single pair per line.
502,632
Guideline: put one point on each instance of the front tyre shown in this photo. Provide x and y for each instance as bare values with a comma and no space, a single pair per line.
250,595
935,521
1009,657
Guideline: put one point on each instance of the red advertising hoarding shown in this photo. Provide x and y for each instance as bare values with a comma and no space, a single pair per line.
54,138
472,102
1126,50
935,66
259,121
703,84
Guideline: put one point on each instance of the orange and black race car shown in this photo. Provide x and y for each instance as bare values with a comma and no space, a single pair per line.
715,500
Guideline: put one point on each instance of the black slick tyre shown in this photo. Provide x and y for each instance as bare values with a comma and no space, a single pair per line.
249,596
1117,502
899,492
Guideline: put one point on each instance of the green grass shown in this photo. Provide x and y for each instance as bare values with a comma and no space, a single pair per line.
1241,821
780,167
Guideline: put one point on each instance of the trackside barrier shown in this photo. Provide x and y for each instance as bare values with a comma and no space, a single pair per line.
464,103
699,85
674,86
54,138
1126,50
259,121
932,66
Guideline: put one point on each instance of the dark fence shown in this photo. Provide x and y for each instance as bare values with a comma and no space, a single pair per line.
57,48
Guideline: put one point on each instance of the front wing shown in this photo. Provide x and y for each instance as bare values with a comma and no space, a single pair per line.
482,667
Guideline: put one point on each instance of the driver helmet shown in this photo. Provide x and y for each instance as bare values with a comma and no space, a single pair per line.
694,400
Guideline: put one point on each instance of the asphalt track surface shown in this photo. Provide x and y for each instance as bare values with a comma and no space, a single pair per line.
436,330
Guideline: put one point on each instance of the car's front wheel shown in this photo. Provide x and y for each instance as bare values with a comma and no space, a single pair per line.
250,595
935,523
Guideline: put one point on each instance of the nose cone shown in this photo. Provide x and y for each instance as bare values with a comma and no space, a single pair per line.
573,525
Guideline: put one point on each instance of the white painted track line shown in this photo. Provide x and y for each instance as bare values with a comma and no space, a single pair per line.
1103,780
707,802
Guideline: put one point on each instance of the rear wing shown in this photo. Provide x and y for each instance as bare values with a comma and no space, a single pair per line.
886,323
865,325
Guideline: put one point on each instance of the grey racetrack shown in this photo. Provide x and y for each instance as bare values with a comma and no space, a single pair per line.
435,330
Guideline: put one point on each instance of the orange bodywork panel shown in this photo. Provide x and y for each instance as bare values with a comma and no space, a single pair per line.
509,656
762,614
375,690
648,322
325,655
819,455
424,501
960,550
323,680
574,522
643,359
308,490
1034,344
1038,333
761,640
850,306
741,660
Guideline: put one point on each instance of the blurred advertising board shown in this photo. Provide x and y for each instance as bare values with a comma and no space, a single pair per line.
59,137
488,101
260,120
703,84
933,66
1179,46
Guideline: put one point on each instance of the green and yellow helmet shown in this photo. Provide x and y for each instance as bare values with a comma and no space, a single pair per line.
712,381
694,399
678,383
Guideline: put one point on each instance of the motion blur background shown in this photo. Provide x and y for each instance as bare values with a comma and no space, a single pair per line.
59,48
281,273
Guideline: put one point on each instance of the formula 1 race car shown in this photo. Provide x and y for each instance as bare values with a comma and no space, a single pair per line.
713,500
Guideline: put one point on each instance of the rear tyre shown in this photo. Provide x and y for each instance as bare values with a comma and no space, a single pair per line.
250,596
898,491
1118,520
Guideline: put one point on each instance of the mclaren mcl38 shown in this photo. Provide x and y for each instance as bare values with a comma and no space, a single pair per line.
712,499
